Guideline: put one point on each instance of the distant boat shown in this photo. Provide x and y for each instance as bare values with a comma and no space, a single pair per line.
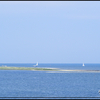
36,64
83,64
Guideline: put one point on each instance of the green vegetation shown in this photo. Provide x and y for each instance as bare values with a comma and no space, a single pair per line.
27,68
43,69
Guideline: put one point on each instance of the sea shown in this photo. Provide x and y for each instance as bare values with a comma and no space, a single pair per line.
50,84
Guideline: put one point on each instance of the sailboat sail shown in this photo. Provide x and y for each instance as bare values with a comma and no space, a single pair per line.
36,64
83,64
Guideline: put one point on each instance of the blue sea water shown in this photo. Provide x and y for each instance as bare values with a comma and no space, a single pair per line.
36,84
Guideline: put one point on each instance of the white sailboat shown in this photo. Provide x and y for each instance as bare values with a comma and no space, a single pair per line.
36,64
83,64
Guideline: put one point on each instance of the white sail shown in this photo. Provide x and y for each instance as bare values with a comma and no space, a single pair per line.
36,64
83,64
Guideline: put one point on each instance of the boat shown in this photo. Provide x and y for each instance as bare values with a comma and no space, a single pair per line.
36,64
83,64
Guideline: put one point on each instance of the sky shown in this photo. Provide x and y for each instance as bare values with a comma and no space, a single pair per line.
50,31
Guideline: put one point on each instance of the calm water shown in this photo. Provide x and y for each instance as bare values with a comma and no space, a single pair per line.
15,83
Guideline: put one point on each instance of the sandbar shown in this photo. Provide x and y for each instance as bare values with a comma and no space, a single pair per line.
44,69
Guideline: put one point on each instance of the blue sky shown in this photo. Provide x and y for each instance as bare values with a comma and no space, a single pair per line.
50,31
